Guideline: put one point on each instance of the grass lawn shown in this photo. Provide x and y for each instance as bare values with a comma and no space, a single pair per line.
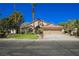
23,36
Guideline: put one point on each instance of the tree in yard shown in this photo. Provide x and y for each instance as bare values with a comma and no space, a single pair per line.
62,23
15,20
76,23
10,22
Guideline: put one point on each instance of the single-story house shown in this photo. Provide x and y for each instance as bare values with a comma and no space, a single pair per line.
44,25
52,27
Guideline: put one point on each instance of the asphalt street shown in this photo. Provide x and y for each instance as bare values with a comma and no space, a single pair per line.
51,45
39,48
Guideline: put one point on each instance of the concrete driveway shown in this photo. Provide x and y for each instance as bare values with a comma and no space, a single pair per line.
58,36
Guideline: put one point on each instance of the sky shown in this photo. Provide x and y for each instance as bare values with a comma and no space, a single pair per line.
49,12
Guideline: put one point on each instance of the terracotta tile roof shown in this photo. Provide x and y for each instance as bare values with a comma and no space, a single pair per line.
52,27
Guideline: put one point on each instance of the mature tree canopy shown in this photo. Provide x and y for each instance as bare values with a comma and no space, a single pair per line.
12,21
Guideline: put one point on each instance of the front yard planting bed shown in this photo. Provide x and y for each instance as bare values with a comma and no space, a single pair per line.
23,36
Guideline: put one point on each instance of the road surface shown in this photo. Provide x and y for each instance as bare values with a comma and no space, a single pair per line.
53,44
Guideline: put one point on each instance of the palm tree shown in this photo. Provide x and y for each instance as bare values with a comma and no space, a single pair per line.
33,12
